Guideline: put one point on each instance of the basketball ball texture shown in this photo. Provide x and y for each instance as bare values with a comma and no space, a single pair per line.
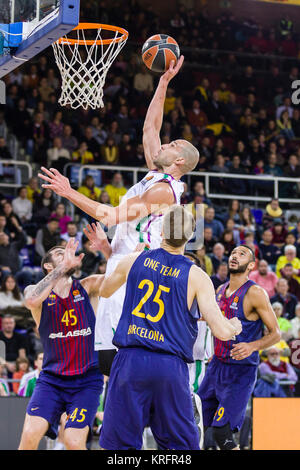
158,51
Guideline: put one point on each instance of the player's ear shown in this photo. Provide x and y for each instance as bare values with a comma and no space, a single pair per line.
251,265
180,161
48,267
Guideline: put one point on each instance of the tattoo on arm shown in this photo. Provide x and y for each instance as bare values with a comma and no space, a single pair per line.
48,281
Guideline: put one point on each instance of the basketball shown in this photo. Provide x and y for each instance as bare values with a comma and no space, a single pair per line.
158,51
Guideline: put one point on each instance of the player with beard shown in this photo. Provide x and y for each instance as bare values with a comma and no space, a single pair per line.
231,374
70,380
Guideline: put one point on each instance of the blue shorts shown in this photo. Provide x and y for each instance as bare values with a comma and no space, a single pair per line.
148,388
78,396
225,392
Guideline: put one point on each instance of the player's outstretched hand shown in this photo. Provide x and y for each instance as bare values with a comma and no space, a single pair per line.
95,233
240,351
142,246
172,70
56,181
70,259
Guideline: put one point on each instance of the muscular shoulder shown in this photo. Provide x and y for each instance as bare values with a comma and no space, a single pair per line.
256,295
159,193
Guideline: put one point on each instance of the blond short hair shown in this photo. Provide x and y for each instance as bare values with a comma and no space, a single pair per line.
178,226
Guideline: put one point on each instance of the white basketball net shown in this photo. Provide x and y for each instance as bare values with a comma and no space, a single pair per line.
84,68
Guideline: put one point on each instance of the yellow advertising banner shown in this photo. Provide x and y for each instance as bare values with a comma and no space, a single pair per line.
283,2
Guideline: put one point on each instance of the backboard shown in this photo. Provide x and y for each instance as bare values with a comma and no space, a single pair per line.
29,26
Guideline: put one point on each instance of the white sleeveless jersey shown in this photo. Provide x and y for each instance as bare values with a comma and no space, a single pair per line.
147,229
125,240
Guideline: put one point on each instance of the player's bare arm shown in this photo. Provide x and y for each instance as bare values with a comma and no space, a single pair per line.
160,194
116,279
201,287
258,304
36,294
154,116
95,233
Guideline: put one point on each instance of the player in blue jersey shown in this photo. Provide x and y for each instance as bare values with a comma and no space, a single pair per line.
231,375
149,380
70,381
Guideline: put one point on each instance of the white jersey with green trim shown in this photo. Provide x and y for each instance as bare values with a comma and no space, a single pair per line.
147,229
125,240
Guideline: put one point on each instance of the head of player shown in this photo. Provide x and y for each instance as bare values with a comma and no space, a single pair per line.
53,258
241,261
178,227
177,156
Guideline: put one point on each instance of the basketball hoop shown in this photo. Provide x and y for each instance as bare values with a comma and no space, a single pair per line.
84,63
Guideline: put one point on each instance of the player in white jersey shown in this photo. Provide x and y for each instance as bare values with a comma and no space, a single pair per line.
138,216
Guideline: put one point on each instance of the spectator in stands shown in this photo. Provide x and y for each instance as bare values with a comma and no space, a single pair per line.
43,206
218,256
109,152
3,225
38,144
34,343
45,90
221,275
295,322
279,233
9,255
60,215
196,117
28,381
69,141
83,155
289,256
22,368
72,232
10,295
286,106
248,223
287,272
22,207
47,237
4,151
204,260
12,222
272,168
56,126
15,343
268,251
89,189
116,189
210,222
264,277
272,211
287,300
57,156
284,124
33,189
227,241
276,368
143,81
99,134
4,387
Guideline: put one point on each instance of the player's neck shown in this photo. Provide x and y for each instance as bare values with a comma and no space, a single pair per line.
174,172
171,249
63,287
236,281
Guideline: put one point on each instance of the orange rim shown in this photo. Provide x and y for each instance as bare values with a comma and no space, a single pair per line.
99,42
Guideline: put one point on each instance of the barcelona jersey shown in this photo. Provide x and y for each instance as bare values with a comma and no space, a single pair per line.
67,332
232,306
155,313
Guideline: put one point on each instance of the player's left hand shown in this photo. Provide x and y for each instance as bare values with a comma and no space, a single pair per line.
56,181
240,351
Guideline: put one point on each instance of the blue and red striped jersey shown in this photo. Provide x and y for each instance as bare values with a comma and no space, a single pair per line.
67,330
232,306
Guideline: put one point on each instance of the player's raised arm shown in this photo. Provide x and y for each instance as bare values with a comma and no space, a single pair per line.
36,294
113,282
260,303
220,326
154,116
133,208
